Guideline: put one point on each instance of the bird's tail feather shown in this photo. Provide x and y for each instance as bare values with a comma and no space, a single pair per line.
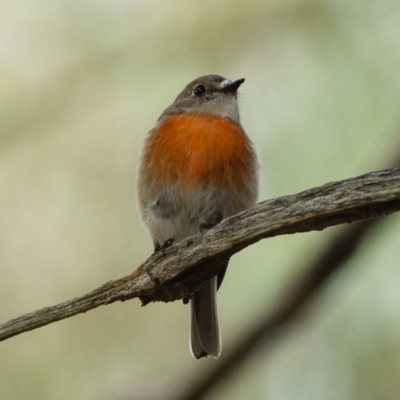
205,338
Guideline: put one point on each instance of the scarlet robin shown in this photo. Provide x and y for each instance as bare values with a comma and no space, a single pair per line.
197,166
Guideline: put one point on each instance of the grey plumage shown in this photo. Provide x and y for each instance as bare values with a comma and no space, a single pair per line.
205,337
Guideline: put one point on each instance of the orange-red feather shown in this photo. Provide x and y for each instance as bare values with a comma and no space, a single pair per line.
195,149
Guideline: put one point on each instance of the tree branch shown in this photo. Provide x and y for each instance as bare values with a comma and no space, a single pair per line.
183,268
291,301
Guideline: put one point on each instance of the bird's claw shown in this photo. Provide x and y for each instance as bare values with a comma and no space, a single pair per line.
210,225
160,248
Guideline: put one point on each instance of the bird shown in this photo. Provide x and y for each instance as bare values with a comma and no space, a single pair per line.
197,166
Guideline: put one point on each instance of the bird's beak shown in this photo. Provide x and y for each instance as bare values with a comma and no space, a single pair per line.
232,87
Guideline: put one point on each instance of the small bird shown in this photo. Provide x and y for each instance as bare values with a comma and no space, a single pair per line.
197,167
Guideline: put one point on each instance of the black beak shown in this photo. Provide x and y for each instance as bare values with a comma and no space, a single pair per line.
232,87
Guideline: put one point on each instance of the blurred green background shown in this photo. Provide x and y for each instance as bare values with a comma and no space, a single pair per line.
81,84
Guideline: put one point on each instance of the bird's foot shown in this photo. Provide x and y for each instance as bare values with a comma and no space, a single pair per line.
167,243
161,247
209,225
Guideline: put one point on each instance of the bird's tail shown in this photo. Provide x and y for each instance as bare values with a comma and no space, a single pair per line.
205,338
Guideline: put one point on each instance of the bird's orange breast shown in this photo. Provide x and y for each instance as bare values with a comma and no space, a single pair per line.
193,149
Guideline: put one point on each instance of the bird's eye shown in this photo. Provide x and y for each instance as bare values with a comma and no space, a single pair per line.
199,90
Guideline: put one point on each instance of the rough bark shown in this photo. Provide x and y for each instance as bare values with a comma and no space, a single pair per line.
170,276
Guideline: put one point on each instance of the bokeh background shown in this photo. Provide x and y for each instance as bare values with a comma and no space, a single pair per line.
81,84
